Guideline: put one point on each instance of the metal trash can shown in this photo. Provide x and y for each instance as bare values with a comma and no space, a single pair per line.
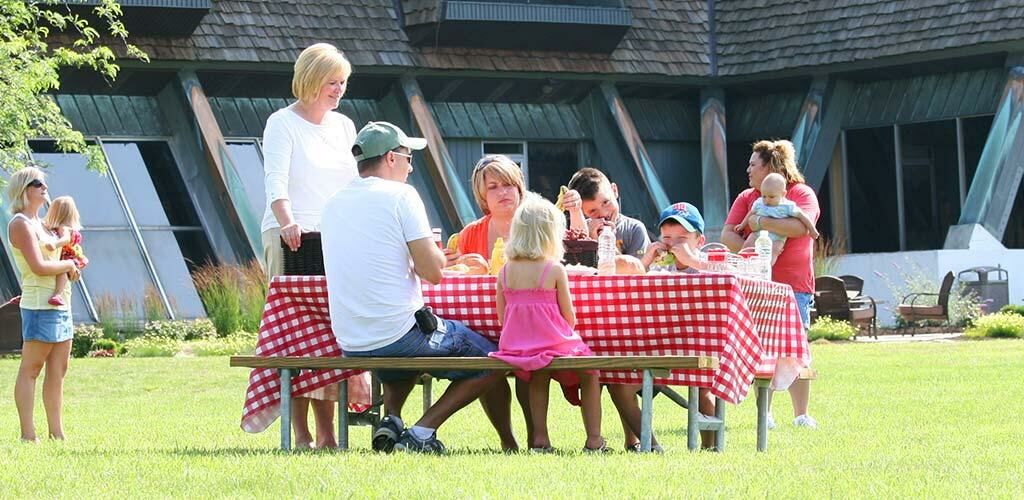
994,293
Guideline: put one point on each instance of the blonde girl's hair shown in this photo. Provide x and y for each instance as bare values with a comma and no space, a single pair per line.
499,166
18,185
780,157
62,213
537,230
316,65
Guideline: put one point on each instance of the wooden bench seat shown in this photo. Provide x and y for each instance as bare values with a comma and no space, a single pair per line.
290,365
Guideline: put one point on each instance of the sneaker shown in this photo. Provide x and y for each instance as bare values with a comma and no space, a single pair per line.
546,450
56,300
770,422
387,434
409,442
805,420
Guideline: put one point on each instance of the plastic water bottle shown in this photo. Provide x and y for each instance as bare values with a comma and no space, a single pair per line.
606,252
763,246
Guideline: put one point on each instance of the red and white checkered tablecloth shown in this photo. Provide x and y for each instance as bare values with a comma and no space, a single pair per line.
747,324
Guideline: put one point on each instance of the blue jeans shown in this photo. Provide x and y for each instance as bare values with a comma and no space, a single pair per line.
46,325
460,341
803,303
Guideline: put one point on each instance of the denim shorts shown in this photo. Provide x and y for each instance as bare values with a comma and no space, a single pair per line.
46,325
459,341
803,303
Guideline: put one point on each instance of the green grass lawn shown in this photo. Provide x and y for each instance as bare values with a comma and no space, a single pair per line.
907,420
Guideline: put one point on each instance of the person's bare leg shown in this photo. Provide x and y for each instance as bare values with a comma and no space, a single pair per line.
395,395
456,397
707,407
497,405
800,393
523,395
590,396
33,357
624,398
323,415
61,284
777,247
53,388
540,387
300,423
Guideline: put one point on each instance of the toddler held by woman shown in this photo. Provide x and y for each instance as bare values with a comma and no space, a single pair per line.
62,219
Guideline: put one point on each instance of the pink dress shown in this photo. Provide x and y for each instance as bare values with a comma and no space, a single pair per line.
535,332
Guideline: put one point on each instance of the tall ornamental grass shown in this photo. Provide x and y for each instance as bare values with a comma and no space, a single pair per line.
232,295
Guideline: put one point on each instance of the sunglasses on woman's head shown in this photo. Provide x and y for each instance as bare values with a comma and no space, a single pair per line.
36,183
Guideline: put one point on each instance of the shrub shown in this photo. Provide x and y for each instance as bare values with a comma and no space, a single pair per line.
1000,325
1017,309
234,344
826,255
85,336
831,329
180,329
153,305
118,315
151,347
232,295
105,345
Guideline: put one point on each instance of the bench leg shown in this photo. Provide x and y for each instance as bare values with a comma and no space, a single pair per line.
692,432
343,415
720,434
428,399
762,415
286,409
646,411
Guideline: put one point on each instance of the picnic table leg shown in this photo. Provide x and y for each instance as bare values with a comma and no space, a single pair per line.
720,434
646,411
428,382
286,409
376,411
762,416
343,415
691,420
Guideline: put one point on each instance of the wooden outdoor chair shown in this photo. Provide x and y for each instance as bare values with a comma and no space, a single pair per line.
918,307
831,299
854,285
10,326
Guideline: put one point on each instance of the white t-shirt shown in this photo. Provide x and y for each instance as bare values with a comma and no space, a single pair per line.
305,163
372,289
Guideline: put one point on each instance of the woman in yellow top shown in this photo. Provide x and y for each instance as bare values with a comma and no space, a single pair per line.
46,330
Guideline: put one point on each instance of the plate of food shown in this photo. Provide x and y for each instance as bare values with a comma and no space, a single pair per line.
580,270
456,270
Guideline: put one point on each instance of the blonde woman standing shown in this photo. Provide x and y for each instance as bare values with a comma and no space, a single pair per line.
795,265
307,157
46,329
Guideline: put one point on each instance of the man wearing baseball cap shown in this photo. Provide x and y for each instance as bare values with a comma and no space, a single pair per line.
377,246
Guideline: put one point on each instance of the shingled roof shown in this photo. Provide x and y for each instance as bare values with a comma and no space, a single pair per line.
756,36
668,37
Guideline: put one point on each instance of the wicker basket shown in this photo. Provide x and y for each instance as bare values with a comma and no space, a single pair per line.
308,260
582,252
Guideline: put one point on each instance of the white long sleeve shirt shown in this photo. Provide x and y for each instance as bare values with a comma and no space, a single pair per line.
306,163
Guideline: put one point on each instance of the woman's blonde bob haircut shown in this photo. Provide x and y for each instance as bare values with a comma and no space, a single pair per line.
501,167
780,158
314,67
62,213
537,231
17,186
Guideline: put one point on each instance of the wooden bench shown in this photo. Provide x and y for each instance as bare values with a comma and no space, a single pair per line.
763,385
288,366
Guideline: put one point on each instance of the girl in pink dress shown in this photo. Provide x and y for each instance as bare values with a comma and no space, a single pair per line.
537,318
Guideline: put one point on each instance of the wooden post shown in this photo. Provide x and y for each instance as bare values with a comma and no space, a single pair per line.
458,205
641,160
714,170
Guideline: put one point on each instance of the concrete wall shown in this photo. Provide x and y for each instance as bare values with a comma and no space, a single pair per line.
934,264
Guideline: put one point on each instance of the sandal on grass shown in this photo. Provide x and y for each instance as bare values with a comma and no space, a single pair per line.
602,449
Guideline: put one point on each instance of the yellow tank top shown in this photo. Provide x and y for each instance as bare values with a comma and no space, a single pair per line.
37,290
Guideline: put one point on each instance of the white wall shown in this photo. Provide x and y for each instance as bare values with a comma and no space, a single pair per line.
934,263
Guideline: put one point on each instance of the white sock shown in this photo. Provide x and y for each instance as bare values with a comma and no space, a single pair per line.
421,433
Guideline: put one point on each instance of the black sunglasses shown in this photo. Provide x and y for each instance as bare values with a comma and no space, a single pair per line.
36,183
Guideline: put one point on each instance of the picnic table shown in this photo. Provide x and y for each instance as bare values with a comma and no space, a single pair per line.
747,324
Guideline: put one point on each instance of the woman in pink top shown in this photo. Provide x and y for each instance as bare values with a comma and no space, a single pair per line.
537,318
795,265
